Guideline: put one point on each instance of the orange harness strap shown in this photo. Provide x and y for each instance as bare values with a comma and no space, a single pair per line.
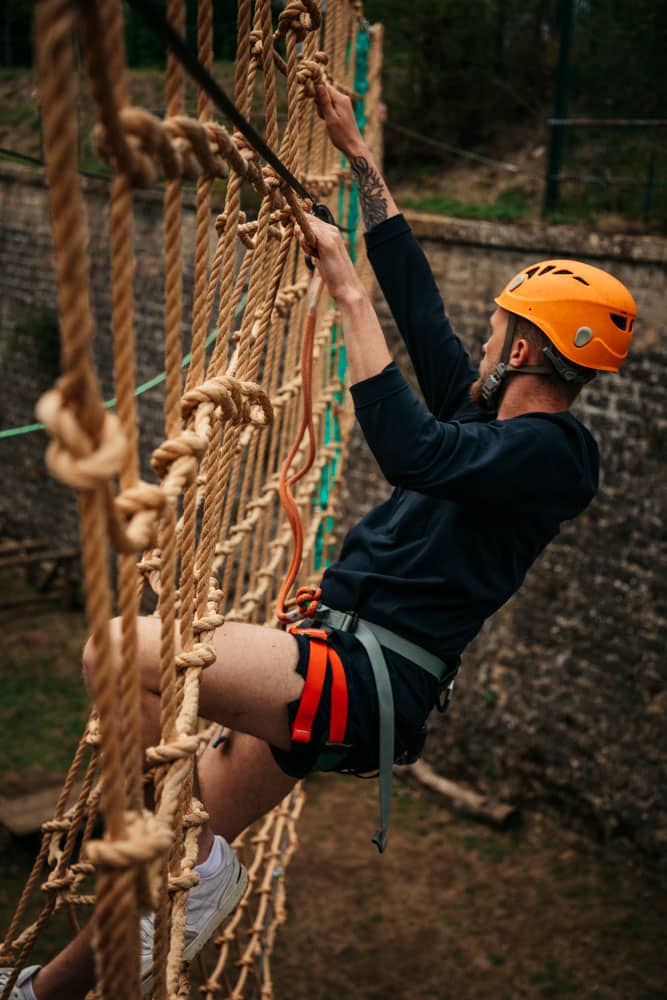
319,655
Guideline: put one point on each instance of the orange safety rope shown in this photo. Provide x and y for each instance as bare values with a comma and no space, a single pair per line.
285,481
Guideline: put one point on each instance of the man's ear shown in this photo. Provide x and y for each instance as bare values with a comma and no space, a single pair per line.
521,353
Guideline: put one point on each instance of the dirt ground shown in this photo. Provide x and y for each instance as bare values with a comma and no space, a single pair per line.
453,909
457,910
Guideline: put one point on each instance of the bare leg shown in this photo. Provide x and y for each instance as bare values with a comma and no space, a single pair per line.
71,974
247,688
240,784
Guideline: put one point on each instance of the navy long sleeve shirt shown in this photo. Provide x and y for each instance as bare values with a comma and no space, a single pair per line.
476,499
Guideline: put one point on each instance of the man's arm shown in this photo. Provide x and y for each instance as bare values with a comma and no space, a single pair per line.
367,351
337,113
533,464
542,463
441,364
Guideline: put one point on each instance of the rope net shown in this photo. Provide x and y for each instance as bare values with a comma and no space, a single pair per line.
203,531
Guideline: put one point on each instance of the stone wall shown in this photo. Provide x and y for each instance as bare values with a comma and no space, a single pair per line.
562,700
31,503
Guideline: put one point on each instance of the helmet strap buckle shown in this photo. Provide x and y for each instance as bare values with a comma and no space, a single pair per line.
492,385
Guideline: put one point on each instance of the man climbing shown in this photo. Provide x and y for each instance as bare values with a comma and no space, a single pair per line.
484,474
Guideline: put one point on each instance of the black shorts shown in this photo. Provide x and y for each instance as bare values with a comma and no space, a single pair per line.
415,692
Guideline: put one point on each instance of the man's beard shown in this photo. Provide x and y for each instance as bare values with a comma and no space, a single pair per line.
476,392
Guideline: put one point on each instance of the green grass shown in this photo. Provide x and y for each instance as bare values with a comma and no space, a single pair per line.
13,115
509,206
41,716
44,702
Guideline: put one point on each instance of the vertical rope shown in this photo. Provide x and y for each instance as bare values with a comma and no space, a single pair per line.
54,23
222,466
116,939
173,204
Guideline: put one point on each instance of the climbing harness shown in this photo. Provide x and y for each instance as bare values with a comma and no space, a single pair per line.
320,657
374,638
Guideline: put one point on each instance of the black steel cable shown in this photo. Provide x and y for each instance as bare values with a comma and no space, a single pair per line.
200,74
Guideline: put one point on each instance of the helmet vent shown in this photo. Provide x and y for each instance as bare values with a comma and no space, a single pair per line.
563,270
545,270
582,280
531,271
620,321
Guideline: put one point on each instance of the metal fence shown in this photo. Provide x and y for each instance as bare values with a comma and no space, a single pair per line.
628,176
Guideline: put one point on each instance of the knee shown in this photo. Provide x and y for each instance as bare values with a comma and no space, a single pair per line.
147,653
89,657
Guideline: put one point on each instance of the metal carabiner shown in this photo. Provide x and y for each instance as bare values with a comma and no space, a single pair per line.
323,212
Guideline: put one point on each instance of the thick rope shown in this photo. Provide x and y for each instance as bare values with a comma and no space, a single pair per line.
214,542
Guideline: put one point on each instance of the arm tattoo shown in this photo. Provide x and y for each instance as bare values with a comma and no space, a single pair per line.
371,192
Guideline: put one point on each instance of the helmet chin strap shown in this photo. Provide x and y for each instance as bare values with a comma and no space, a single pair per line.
495,384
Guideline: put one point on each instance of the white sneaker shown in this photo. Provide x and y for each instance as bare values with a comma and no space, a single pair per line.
214,898
18,989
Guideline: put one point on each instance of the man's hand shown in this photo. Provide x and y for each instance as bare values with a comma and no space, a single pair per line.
367,353
333,261
336,110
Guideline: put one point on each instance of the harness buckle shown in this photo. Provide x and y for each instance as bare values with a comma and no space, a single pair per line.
445,695
350,622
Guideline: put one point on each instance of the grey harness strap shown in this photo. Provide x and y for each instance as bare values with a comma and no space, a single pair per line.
373,638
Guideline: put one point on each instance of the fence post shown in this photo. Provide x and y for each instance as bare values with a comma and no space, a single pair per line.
560,108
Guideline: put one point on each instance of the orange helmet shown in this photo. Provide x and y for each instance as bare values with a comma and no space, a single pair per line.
586,313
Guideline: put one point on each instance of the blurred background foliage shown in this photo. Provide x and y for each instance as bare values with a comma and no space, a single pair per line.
460,78
469,75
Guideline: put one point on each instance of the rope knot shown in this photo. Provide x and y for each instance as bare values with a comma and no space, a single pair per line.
71,456
198,148
272,183
221,390
307,600
57,825
311,72
225,146
196,817
257,409
300,17
208,623
256,44
146,840
139,507
187,445
201,655
180,748
251,166
92,735
136,146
